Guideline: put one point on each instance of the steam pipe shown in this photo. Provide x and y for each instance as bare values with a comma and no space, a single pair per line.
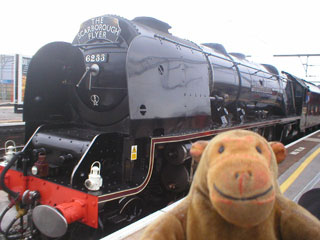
13,194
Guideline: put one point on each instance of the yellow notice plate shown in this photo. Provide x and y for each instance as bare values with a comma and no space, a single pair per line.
134,150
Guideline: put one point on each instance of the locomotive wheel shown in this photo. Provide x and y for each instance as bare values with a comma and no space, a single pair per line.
270,134
132,208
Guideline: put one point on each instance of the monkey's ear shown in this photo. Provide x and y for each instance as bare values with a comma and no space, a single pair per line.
197,149
279,150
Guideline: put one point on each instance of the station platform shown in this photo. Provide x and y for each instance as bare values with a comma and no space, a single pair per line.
11,127
8,116
298,173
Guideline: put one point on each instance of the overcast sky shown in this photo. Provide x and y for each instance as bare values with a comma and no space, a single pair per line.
253,27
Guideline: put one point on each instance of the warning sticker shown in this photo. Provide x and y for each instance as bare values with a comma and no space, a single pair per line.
134,150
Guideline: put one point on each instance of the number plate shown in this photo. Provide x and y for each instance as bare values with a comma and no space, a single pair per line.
96,58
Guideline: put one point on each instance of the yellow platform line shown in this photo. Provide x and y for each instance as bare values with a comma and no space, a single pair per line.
287,183
9,121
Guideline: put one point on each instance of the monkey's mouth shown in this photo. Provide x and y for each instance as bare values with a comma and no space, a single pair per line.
253,197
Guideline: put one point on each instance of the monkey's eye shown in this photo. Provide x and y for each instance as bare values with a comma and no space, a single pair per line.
221,149
258,149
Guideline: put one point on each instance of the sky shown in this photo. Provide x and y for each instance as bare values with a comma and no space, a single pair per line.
252,27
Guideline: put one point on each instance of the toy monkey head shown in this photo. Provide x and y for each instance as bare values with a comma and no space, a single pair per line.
238,174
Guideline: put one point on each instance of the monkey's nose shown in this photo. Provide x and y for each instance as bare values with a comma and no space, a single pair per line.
243,178
244,174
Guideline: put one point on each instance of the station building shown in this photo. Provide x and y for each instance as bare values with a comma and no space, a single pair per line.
13,74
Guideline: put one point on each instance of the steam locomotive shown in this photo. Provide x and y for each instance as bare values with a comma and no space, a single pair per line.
111,116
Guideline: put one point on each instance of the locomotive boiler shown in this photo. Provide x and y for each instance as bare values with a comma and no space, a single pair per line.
111,116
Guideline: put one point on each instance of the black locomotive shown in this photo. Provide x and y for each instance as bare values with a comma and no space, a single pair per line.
111,116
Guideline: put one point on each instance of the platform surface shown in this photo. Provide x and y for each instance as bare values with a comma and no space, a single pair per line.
9,117
7,114
303,174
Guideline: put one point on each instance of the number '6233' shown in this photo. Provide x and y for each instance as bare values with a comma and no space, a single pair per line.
98,57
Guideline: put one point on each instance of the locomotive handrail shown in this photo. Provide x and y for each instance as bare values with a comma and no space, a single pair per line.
178,43
109,44
214,55
81,159
110,88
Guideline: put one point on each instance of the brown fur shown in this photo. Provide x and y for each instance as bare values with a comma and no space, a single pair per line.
235,195
279,151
